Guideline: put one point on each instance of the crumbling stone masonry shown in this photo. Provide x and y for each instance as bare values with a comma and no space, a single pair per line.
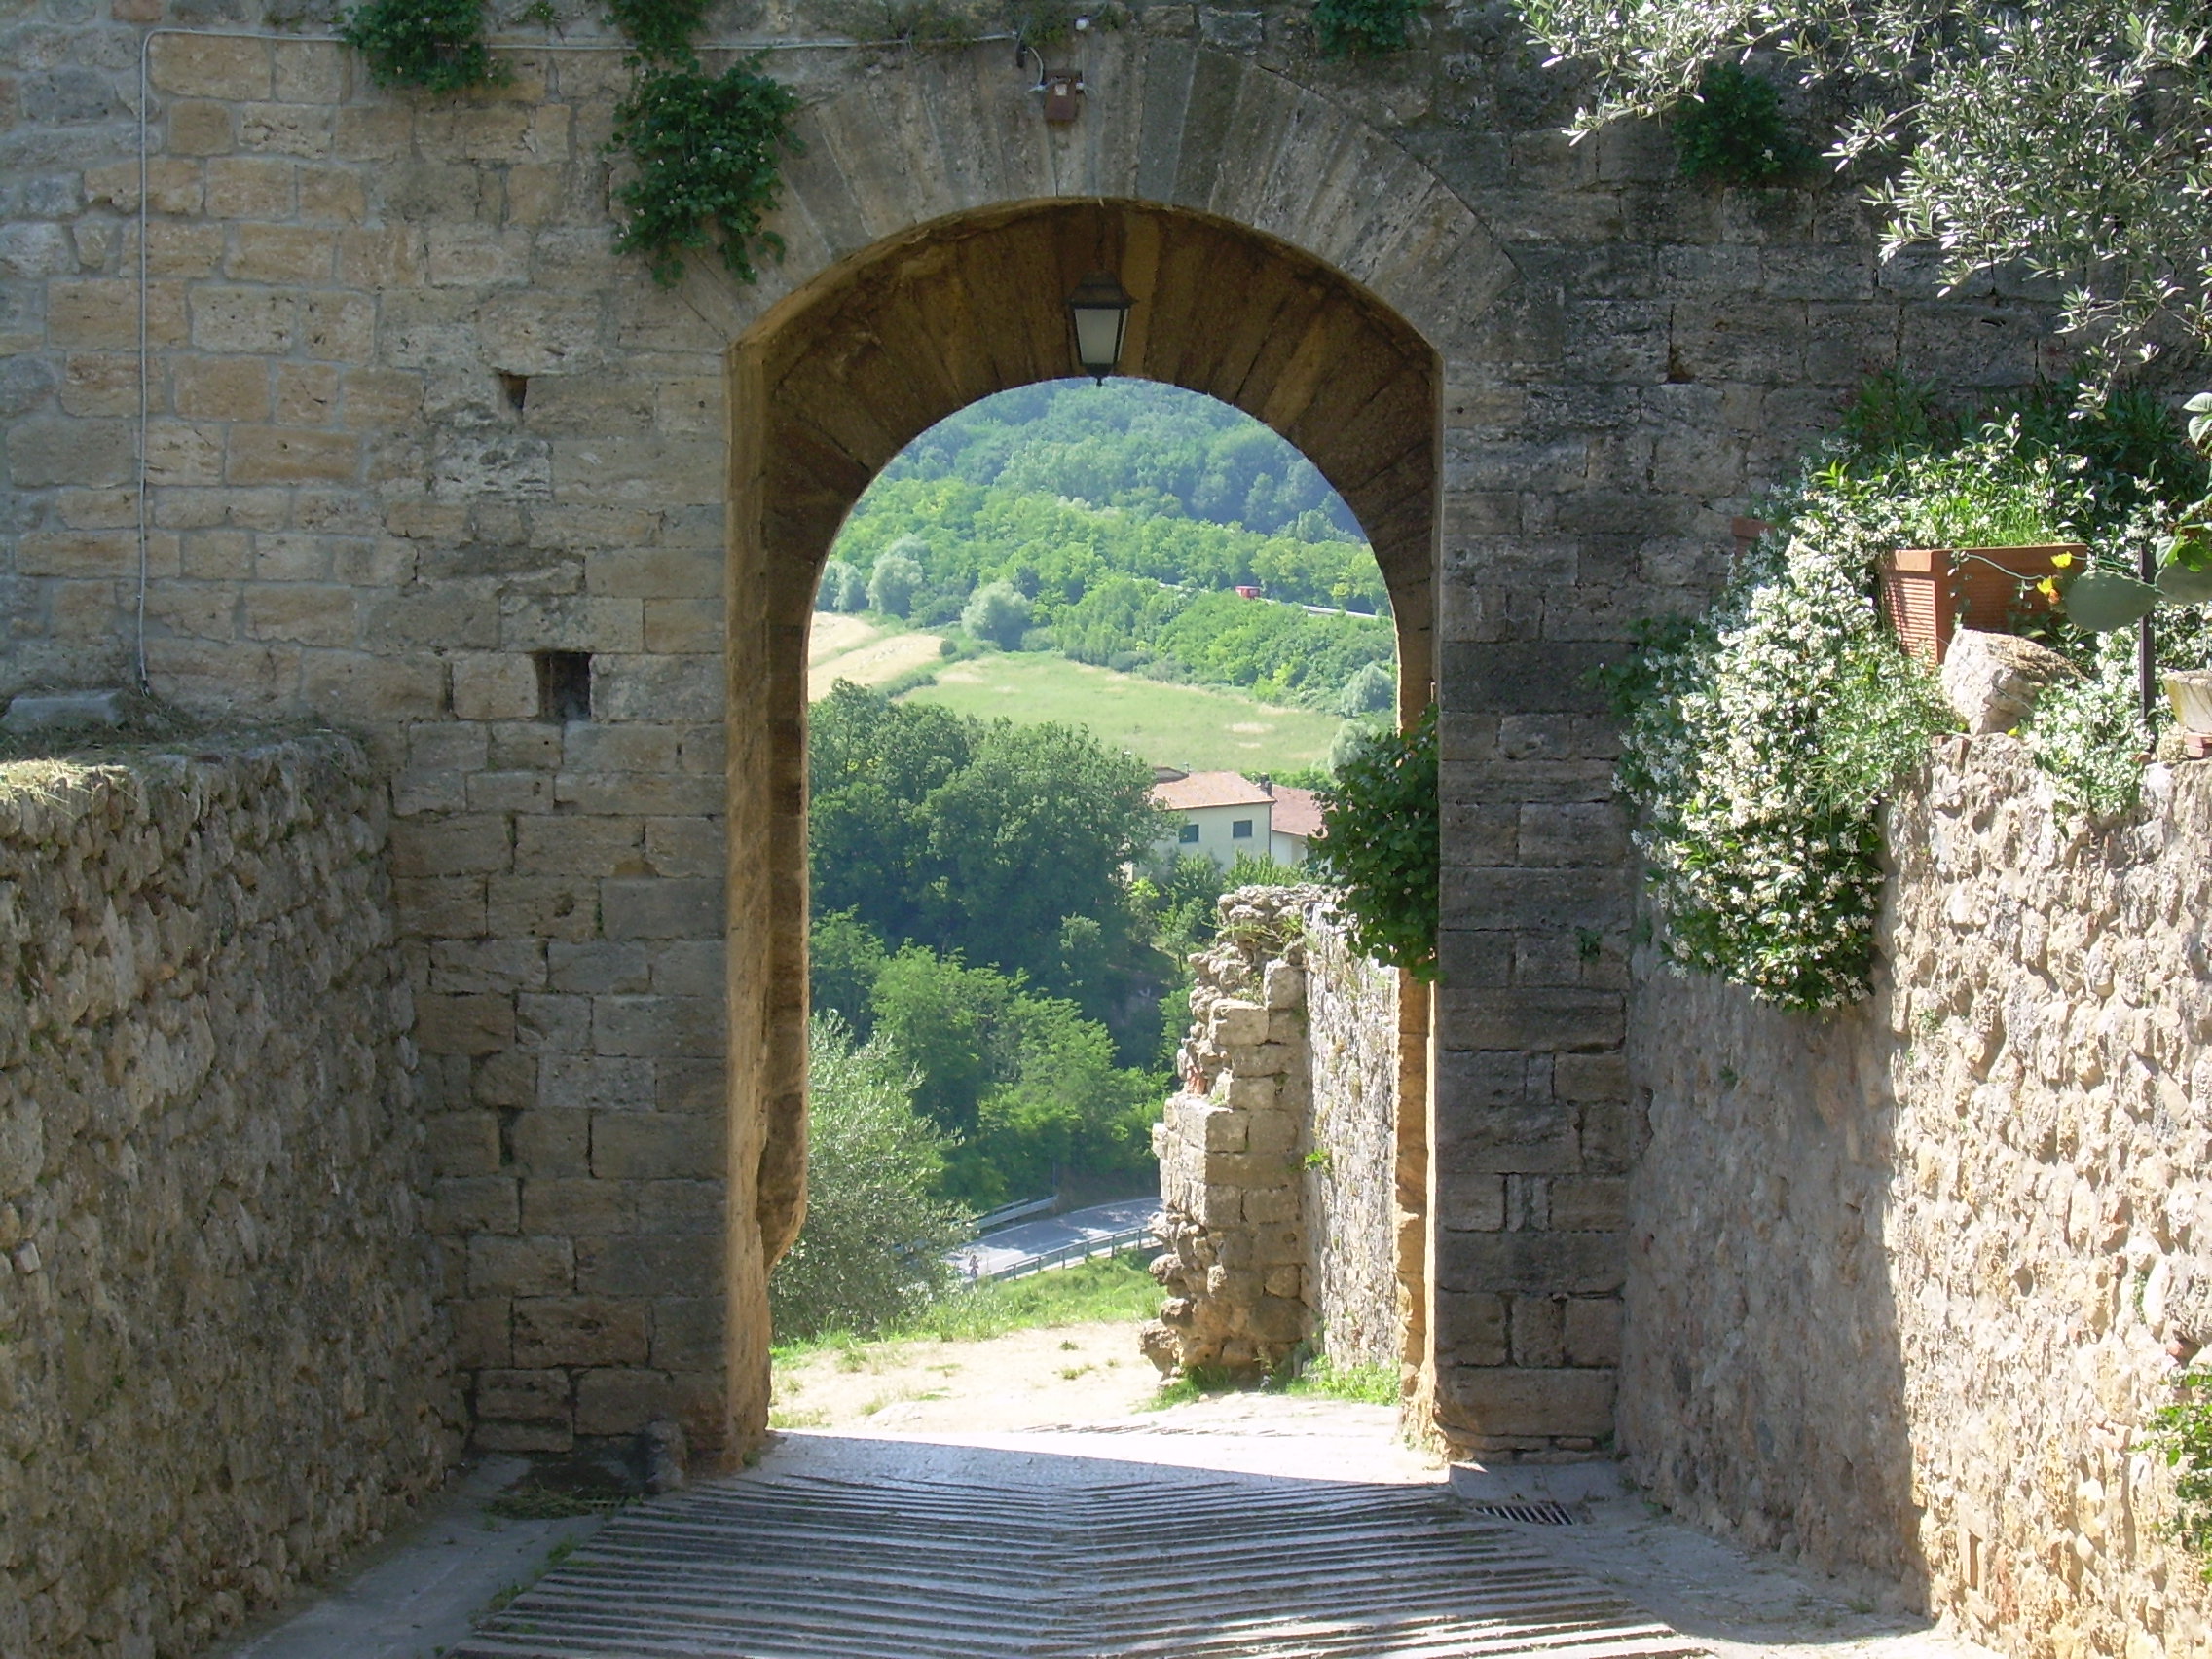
1278,1157
221,1364
1905,1285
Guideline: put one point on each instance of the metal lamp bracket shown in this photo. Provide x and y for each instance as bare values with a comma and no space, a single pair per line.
1062,91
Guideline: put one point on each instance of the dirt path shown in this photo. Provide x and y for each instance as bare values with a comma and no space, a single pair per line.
1023,1380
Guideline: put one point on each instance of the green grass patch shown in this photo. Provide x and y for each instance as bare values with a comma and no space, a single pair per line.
1200,730
1313,1379
1084,1294
1369,1384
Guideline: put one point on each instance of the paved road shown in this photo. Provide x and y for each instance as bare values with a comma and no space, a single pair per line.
1247,1525
1011,1245
1070,1546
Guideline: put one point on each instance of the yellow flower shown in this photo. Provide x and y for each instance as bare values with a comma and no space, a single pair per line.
2059,561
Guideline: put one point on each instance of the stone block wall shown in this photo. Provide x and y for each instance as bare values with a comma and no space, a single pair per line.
1278,1155
220,1361
1905,1284
411,428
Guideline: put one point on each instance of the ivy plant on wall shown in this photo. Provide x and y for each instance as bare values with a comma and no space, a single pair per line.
1761,741
1730,130
707,149
707,152
437,45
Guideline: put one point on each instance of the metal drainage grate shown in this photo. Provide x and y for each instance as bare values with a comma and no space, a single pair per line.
1544,1514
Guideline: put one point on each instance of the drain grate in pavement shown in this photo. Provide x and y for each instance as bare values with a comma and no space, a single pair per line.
1544,1514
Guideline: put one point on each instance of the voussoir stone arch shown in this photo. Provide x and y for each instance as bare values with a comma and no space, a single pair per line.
1285,258
957,132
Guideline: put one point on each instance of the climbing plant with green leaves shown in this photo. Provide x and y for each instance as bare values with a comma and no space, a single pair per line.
706,149
1363,28
437,45
1381,845
1730,130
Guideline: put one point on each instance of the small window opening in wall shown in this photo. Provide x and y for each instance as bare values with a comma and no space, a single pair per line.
564,685
1187,835
1240,830
517,388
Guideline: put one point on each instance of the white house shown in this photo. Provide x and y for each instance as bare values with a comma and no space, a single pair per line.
1225,814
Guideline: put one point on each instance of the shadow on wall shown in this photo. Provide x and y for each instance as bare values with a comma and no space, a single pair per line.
1905,1284
1762,1384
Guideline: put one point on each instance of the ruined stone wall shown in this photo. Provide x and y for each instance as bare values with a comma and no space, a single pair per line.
1905,1284
1278,1155
220,1365
1352,1186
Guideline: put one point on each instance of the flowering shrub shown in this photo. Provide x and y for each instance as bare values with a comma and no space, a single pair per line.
1761,741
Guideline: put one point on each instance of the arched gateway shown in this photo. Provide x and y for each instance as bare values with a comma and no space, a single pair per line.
424,457
1230,205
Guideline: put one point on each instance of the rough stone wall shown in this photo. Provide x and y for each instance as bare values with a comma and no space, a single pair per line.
411,422
1905,1284
1351,1190
1278,1155
220,1363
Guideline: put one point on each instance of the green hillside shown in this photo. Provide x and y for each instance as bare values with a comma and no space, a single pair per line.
1175,726
1112,524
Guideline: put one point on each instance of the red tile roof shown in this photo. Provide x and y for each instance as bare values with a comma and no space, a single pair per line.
1208,789
1298,812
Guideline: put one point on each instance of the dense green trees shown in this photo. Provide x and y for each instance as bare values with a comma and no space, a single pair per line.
1112,524
989,910
843,588
983,839
1053,548
1027,1089
873,1250
1136,444
996,611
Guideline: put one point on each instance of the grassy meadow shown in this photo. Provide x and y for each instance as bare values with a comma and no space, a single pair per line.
1177,725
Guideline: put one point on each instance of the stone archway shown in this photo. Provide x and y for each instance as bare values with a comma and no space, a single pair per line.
1288,258
835,379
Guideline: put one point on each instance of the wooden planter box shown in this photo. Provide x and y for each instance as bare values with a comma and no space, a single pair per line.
1929,593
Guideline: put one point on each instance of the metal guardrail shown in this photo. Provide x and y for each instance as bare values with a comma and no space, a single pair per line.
1084,1250
1006,1215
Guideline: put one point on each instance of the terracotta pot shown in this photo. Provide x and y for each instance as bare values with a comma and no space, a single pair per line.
1929,593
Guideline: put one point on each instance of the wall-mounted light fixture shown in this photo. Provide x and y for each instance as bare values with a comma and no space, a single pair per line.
1099,307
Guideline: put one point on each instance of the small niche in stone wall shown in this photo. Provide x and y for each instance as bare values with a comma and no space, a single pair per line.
564,685
517,388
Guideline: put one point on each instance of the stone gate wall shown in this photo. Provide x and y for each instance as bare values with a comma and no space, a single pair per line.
220,1362
1905,1284
410,424
1278,1157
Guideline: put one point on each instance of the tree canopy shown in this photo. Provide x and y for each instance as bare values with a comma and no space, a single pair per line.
2074,137
981,838
873,1250
1133,443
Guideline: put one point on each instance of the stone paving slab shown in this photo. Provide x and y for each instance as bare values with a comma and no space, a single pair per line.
420,1591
